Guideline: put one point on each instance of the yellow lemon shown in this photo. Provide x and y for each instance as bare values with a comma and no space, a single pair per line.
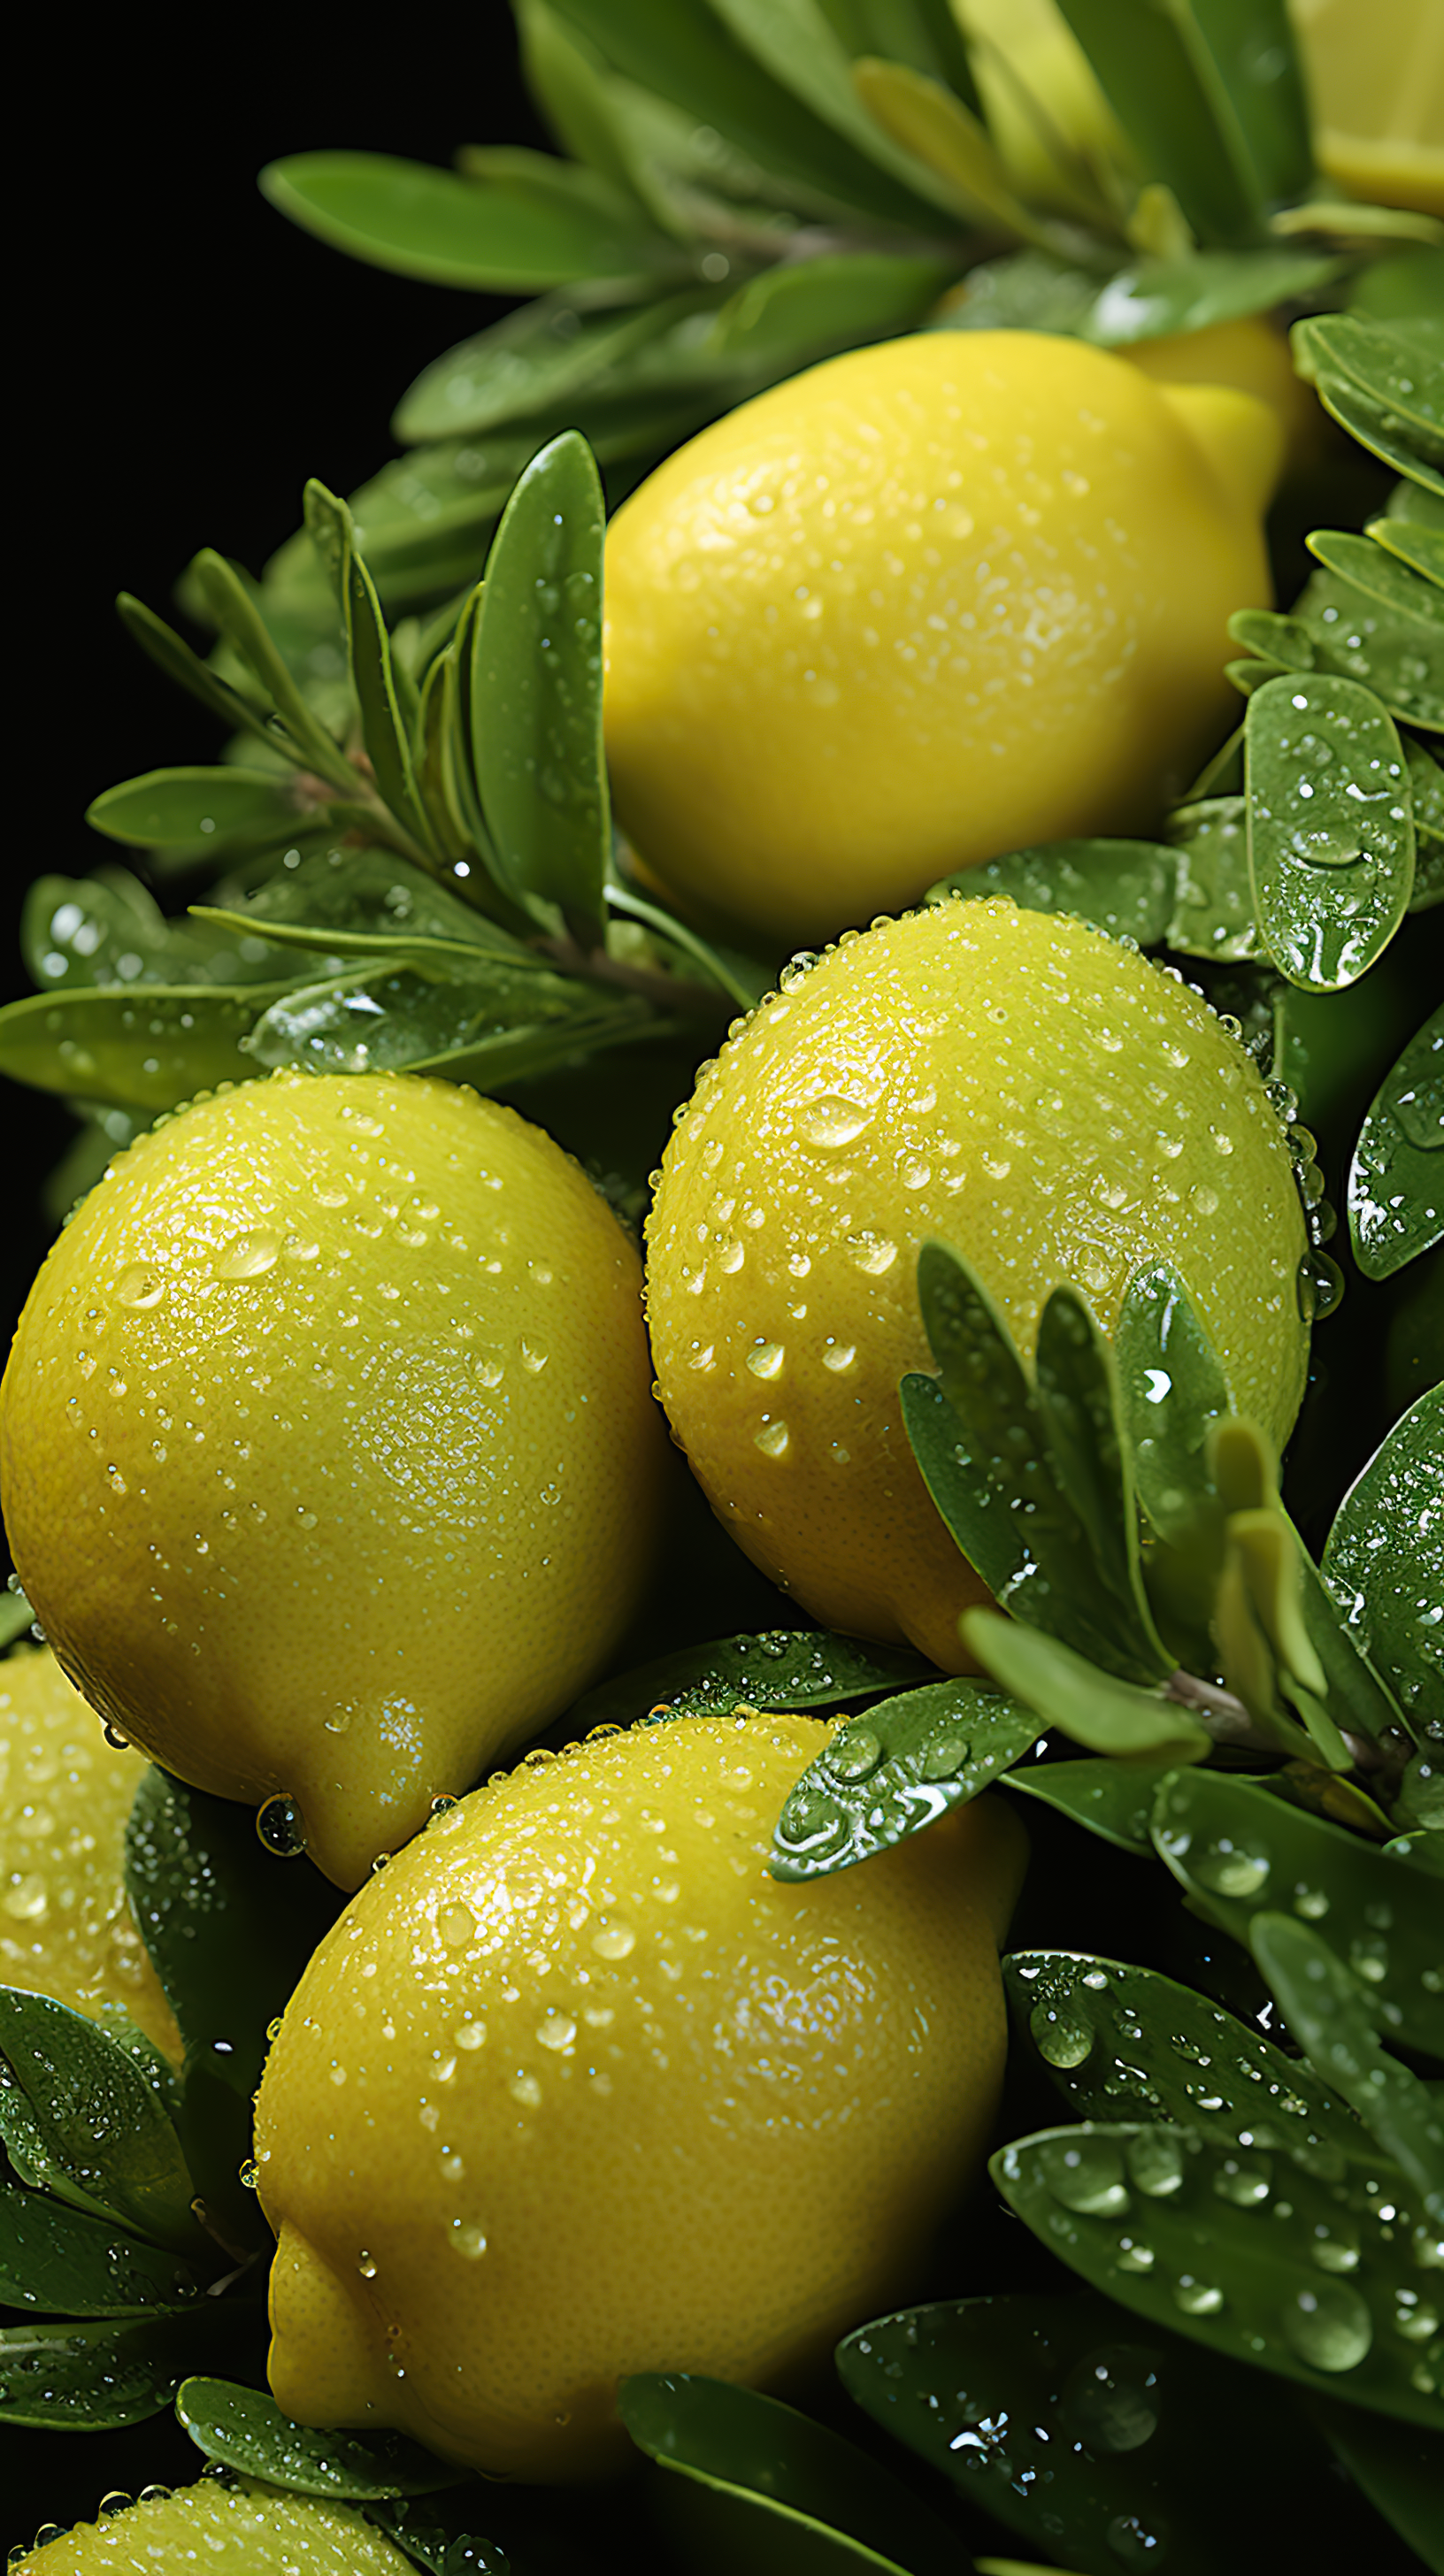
240,2528
920,605
66,1927
1253,356
575,2089
1376,72
1011,1083
328,1450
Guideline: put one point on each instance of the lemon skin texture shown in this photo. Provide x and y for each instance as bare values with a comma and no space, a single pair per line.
66,1926
1013,1084
328,1451
919,605
244,2529
575,2088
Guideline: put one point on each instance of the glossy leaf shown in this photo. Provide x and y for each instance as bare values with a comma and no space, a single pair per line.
1391,365
838,300
1095,1708
1331,843
1396,1178
1383,575
1381,432
1223,2246
497,1023
1124,2043
63,2262
886,1775
925,120
1126,887
531,223
1399,2469
1420,547
546,355
441,2536
780,1668
1111,1799
84,2378
83,933
1164,86
172,806
1213,914
1254,53
1079,1399
1239,1852
1157,296
775,2489
1380,1550
372,893
245,2428
78,2118
1174,1393
1327,2015
1359,638
1082,2434
147,1051
536,698
239,620
795,41
173,656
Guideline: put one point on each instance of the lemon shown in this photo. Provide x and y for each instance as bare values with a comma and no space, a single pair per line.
1253,356
66,1927
575,2089
1375,69
329,1456
919,605
1011,1083
237,2528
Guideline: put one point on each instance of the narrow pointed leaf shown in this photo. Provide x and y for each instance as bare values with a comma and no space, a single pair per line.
1221,2246
1327,2015
1381,1552
536,692
169,806
1213,908
384,729
796,42
1252,46
173,656
78,2118
146,1050
1078,1397
245,2428
1331,841
924,119
523,228
886,1775
1239,1852
1396,1179
1127,887
245,630
1111,1799
87,2378
1381,574
1165,88
1095,1708
779,1668
838,301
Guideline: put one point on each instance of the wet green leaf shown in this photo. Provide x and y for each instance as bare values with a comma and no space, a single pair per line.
1396,366
780,1668
1213,912
1124,2043
373,893
547,354
1396,1179
239,619
1419,546
1082,2434
173,656
396,1018
774,2489
1331,843
1174,1395
520,222
900,1767
1400,2471
1380,431
1112,1799
1262,2263
1094,1708
1358,637
1285,641
1239,1852
81,933
1157,296
149,1050
245,2428
795,42
840,299
62,2262
1383,576
78,2118
81,2378
1164,85
1426,780
1380,1550
1127,887
923,119
536,704
1079,1399
1325,2008
169,806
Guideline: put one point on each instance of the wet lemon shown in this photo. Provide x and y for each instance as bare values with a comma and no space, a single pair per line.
328,1451
919,605
1013,1084
575,2089
66,1927
238,2528
1376,72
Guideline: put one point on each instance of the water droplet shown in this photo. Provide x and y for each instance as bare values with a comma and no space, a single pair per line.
1232,1869
1110,2399
470,2035
772,1439
247,1256
1086,2176
854,1753
469,2242
871,1252
250,2174
1245,2180
366,2265
525,2089
139,1286
833,1120
1311,1902
839,1356
490,1371
1196,2298
1059,2037
614,1941
1428,2247
1134,2543
118,1743
945,1759
767,1360
810,1820
1369,1958
1330,2328
281,1827
456,1925
1334,2245
1133,2256
533,1357
1155,2162
558,2030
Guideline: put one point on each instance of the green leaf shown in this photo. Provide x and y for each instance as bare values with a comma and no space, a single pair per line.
536,703
795,42
1213,912
1079,1399
66,2263
239,620
147,1051
838,300
1126,887
1326,2012
780,1668
1355,636
1083,2437
1254,51
1382,575
1111,1799
245,2428
170,806
1380,432
393,1018
1396,1178
1398,367
1094,1708
1239,1851
1160,296
547,354
367,895
1120,2041
1174,1396
888,1774
1164,85
173,656
83,2378
82,933
521,222
79,2118
923,120
1379,1553
1420,547
1223,2247
1331,843
773,2489
1399,2470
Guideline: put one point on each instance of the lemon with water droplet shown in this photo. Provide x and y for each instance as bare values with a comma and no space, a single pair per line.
919,605
236,2527
66,1925
577,2089
1014,1084
328,1450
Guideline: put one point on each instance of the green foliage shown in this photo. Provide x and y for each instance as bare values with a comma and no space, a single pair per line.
899,1768
79,2118
1396,1180
245,2429
1330,827
1379,1553
781,1668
